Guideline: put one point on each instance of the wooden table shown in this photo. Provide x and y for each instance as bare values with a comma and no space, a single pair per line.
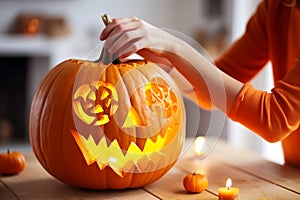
256,178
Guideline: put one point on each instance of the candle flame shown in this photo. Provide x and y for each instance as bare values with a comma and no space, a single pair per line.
228,183
199,144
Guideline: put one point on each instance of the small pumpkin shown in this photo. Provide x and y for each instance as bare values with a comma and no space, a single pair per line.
195,182
12,163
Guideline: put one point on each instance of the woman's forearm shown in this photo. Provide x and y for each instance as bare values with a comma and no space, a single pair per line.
213,84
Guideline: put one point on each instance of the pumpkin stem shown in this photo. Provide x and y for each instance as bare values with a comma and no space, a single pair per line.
106,19
105,57
8,151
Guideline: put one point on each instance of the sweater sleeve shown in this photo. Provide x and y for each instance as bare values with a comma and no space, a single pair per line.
273,115
249,54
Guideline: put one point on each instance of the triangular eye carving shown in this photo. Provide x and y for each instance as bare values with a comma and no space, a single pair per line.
95,103
161,101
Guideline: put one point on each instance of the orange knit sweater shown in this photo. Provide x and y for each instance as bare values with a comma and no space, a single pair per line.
272,34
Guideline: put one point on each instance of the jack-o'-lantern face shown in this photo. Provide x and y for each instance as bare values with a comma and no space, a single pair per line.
131,119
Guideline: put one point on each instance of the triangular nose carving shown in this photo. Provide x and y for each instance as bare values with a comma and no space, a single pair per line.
133,119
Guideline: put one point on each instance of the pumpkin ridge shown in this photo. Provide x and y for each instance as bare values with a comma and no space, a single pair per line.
134,105
38,130
112,129
114,76
49,132
65,129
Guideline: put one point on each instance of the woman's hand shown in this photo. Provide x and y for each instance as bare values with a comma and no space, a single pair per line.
127,36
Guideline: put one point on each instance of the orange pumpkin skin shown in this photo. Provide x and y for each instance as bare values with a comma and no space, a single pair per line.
195,182
59,134
12,163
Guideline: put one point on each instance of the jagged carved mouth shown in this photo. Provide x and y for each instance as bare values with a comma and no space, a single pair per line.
155,123
155,154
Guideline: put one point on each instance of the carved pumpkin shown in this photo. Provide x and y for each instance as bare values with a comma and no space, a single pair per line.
107,126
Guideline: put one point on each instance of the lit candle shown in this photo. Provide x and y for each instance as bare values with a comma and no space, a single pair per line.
228,192
199,146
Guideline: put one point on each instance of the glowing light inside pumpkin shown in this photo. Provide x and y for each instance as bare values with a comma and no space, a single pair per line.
158,96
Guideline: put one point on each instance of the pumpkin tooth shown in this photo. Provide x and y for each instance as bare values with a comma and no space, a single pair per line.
124,145
101,165
96,137
130,166
154,138
89,160
108,141
118,171
141,143
142,164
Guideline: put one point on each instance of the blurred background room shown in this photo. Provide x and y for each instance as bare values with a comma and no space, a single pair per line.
37,35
